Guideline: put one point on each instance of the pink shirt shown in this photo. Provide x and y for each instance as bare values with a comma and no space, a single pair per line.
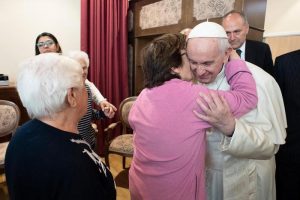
169,140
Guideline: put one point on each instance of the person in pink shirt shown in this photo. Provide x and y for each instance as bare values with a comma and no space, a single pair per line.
169,140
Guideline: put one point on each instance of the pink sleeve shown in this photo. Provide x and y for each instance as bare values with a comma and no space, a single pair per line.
242,96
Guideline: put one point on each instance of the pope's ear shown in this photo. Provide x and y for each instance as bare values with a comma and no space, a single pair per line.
229,50
227,54
71,97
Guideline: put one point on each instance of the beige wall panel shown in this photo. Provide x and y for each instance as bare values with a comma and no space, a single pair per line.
283,44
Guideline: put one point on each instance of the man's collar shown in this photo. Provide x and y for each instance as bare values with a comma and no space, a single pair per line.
243,47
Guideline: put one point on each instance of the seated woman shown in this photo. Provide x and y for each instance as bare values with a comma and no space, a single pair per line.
169,140
46,43
47,158
84,125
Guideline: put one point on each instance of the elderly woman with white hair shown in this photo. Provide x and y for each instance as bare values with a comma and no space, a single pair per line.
83,58
84,126
47,158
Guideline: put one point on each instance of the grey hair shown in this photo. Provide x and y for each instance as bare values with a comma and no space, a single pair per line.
223,44
241,14
79,55
43,83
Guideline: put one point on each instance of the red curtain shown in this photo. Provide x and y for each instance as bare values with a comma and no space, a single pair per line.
104,38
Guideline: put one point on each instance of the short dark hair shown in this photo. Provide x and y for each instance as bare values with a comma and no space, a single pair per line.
160,56
37,51
240,13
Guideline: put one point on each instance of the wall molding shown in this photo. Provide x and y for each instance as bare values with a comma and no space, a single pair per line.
282,34
283,44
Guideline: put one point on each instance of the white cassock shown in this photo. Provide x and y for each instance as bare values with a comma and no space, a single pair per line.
242,167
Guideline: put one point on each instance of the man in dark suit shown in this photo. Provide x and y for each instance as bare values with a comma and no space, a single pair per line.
236,26
287,74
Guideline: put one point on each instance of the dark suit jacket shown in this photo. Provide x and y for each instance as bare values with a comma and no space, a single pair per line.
287,74
259,53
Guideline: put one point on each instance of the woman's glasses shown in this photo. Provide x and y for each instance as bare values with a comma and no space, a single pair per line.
46,43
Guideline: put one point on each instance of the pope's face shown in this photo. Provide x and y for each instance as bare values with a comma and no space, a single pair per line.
206,59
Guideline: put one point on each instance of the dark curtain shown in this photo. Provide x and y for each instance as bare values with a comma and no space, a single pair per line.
104,38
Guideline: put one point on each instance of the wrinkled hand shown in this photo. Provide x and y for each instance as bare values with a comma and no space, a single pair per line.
233,55
216,112
108,109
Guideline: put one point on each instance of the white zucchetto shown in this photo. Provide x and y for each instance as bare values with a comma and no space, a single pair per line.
208,30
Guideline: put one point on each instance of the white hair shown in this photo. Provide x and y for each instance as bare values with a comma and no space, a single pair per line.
224,45
43,82
79,56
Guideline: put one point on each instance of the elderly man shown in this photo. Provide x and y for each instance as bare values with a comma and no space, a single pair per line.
236,26
47,158
240,165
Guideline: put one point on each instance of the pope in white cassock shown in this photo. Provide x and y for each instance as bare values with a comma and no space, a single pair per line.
241,166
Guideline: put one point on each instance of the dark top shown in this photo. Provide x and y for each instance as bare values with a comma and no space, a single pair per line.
287,74
259,53
43,162
84,126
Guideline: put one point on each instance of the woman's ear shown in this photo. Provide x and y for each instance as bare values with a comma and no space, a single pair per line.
175,70
71,97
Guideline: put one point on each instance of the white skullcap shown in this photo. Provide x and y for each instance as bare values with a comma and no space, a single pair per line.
208,29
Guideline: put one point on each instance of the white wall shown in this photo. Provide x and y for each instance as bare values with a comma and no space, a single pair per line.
282,18
22,20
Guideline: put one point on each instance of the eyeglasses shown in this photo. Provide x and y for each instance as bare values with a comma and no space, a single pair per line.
46,43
